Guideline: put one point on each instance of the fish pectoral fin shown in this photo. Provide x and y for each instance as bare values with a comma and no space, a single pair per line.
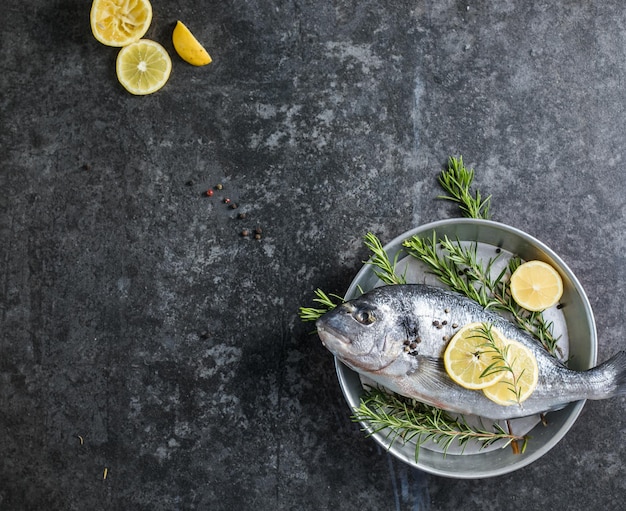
431,375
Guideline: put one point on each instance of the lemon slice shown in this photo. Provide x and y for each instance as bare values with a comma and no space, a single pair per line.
536,286
468,355
120,22
516,386
143,67
188,47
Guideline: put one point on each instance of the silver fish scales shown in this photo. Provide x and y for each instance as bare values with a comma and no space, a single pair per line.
393,335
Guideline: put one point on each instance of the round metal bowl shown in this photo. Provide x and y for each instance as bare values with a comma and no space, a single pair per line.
581,331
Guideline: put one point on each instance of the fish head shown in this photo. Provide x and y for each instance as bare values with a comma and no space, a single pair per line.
368,333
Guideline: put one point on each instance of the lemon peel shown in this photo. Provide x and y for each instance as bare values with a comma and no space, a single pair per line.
468,356
188,47
520,382
536,286
143,67
120,22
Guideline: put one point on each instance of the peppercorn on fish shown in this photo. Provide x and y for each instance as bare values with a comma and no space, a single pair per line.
394,335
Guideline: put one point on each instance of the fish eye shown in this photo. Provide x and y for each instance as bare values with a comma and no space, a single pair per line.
364,317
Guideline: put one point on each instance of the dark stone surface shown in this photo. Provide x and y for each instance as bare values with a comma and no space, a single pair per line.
139,332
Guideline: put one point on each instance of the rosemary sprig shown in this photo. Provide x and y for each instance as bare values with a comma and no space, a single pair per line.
327,303
456,181
407,419
502,362
380,259
458,267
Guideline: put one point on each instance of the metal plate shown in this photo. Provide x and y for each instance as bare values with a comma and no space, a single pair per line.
582,335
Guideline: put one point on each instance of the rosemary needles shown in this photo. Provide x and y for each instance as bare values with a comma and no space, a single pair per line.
385,271
406,420
386,268
457,182
326,301
457,266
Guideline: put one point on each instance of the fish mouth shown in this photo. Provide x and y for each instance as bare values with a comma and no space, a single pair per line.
344,349
330,335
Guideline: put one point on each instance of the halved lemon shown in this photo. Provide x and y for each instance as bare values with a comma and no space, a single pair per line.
120,22
188,47
469,354
536,286
143,67
516,386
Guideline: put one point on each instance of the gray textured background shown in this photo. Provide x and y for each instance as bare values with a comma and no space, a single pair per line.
133,315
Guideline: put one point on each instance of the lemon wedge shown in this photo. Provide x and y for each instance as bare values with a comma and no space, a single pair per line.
120,22
143,67
188,47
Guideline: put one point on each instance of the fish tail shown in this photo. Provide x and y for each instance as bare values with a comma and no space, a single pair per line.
610,376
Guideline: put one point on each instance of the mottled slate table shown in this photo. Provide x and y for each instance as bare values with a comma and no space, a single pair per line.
152,358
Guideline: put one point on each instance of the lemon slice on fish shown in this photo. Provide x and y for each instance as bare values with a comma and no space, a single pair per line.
470,353
520,381
536,286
